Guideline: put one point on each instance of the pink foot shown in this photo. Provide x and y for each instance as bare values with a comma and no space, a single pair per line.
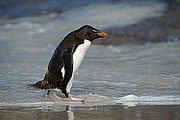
75,99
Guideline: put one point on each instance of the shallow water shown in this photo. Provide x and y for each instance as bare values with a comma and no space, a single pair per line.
130,75
127,73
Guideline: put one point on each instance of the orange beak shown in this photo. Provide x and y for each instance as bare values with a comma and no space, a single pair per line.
102,34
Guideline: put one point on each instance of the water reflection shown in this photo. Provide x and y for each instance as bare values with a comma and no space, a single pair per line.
56,112
70,113
141,112
138,115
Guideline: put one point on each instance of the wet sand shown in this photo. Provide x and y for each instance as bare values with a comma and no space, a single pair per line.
110,112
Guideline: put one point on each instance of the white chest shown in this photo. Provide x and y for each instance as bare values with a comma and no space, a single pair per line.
77,60
79,54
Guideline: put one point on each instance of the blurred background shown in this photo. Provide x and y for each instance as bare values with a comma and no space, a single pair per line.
126,21
139,61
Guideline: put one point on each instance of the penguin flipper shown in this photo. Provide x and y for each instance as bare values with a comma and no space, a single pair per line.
68,66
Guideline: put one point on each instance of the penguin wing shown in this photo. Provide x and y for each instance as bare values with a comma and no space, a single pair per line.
68,66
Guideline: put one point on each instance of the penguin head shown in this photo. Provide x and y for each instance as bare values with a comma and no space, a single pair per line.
90,33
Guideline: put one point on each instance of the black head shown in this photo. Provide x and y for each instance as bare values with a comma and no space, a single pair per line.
90,33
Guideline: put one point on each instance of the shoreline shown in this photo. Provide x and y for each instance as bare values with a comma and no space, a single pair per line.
160,112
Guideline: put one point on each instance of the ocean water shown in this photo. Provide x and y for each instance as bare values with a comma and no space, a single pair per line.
128,75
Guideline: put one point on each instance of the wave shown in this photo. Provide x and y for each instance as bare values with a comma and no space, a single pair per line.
133,100
109,15
94,99
35,104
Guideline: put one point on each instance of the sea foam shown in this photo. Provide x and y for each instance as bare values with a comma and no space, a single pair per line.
133,100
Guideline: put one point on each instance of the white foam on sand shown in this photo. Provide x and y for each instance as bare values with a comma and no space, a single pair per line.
94,100
40,105
133,100
57,100
35,104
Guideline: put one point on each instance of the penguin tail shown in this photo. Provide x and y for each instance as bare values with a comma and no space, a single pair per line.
40,85
31,85
43,84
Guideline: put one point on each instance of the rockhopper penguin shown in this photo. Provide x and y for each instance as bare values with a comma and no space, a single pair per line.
67,58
